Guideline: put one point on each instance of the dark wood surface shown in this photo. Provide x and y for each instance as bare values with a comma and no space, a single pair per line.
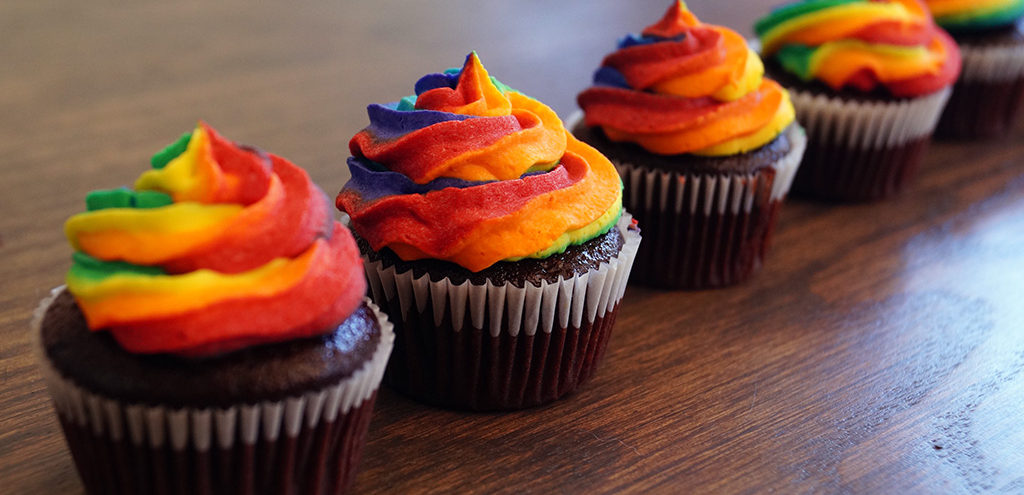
880,350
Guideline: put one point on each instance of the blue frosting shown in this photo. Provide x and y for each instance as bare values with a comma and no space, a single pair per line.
428,82
372,183
390,122
607,76
632,39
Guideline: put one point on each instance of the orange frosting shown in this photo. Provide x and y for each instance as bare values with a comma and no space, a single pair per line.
686,87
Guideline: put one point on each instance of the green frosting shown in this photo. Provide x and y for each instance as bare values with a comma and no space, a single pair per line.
86,267
996,19
787,12
407,104
125,198
164,156
797,60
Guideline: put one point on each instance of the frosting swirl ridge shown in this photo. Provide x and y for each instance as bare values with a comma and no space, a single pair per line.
970,15
218,247
683,86
474,172
862,44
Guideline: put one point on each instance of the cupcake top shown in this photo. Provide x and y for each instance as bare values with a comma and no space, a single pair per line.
682,86
217,248
975,15
862,45
473,172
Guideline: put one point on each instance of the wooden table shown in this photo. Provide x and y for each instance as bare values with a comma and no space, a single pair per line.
881,349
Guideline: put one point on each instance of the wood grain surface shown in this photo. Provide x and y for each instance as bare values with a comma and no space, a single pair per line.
880,350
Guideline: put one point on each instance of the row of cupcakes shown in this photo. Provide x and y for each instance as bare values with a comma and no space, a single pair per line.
706,140
214,336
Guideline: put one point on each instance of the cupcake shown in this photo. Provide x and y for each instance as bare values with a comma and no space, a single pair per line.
869,80
494,240
987,99
707,148
213,335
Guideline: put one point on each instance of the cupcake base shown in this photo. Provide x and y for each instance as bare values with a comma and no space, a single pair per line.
979,110
468,368
862,148
707,221
304,441
321,459
834,173
988,99
699,251
513,336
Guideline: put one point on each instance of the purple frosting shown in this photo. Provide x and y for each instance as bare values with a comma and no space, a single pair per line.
386,122
372,184
434,81
607,76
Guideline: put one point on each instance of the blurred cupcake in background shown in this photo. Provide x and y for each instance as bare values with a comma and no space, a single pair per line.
988,99
869,80
707,148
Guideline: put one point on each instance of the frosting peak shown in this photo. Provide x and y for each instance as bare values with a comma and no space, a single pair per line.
463,125
677,21
474,94
862,44
218,247
471,171
683,86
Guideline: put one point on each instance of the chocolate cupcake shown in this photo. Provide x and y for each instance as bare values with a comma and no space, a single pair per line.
988,98
213,336
494,240
706,147
869,80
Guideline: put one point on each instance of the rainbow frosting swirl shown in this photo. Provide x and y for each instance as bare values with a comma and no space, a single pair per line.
686,87
218,247
862,44
975,15
474,172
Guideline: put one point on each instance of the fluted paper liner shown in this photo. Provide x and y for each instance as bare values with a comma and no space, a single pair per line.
863,150
785,170
499,318
867,125
992,63
706,230
987,99
190,430
528,309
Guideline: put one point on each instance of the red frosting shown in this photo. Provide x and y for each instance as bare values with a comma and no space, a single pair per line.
426,221
645,65
417,153
330,292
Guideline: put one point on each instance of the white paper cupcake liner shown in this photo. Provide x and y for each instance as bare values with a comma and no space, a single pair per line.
514,310
706,230
712,193
785,169
496,346
992,63
987,98
199,427
198,430
868,125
